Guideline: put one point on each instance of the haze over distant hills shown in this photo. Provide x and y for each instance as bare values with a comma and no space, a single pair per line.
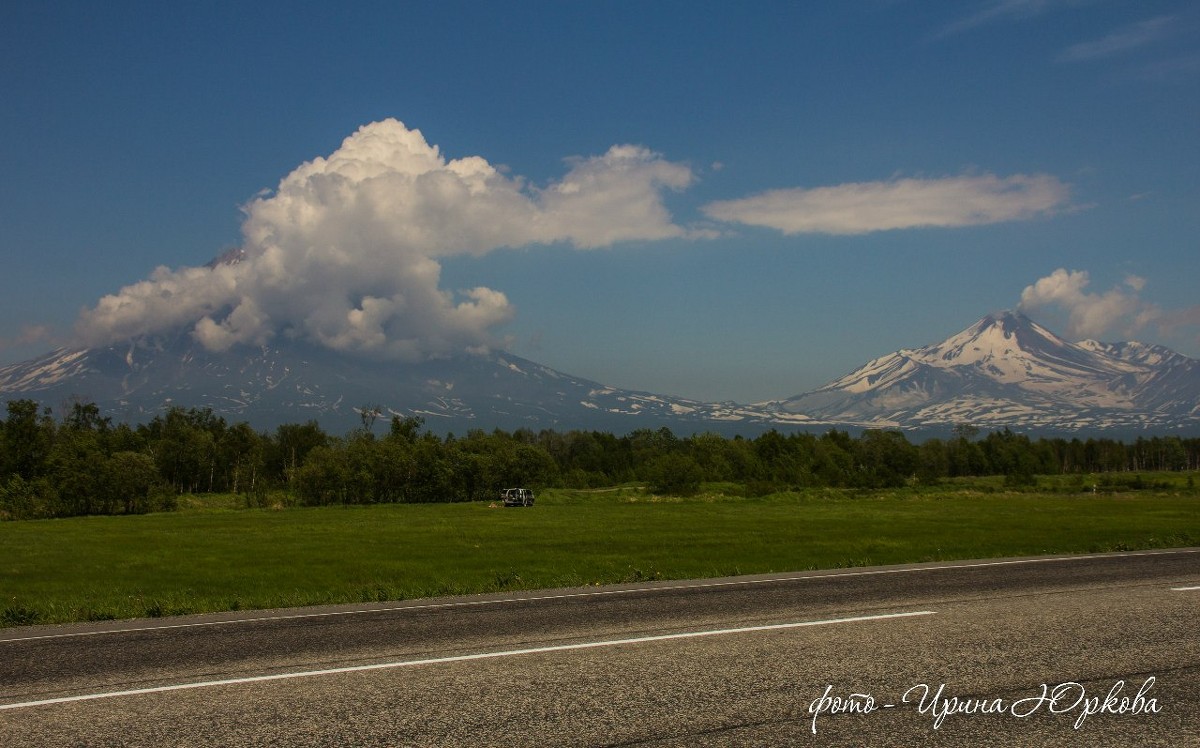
1003,371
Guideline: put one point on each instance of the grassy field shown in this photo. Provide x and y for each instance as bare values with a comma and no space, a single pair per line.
212,555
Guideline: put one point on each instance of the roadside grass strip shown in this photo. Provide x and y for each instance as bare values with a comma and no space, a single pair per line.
459,658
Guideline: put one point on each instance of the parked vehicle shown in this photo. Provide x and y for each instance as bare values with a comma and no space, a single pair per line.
516,497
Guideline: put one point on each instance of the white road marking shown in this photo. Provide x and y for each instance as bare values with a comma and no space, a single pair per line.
1184,589
596,593
460,658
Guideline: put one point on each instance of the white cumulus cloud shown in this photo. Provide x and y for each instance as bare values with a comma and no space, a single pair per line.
345,252
863,207
1091,315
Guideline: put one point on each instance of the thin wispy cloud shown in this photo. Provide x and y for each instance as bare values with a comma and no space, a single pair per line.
1174,69
998,11
1184,323
29,335
864,207
1122,40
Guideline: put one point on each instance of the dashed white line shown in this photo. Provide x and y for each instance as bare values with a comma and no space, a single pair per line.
1184,589
459,658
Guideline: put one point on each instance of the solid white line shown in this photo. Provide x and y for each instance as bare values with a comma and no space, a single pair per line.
595,593
1184,589
459,658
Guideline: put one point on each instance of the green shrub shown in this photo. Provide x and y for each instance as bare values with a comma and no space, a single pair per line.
674,474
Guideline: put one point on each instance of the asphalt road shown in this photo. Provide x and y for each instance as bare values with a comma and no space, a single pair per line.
1087,651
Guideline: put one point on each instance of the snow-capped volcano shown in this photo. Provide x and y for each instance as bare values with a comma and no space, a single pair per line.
1007,370
1004,371
292,383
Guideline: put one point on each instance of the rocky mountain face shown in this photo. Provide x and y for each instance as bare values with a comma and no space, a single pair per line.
1007,370
1003,371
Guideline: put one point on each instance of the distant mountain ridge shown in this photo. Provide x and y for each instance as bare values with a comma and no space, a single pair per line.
292,383
1004,371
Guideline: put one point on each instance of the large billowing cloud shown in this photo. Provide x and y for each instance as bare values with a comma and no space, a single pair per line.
346,250
863,207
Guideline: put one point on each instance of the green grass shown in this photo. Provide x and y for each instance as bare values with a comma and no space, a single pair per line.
213,555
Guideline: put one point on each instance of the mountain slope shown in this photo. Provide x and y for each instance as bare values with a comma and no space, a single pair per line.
292,383
1007,370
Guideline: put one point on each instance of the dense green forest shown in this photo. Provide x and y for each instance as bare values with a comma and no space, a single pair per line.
84,464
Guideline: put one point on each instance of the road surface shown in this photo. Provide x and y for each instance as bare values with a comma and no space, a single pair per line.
1088,651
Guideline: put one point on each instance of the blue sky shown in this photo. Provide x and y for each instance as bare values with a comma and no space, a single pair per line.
691,198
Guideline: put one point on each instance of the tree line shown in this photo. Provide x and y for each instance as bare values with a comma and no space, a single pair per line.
84,464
